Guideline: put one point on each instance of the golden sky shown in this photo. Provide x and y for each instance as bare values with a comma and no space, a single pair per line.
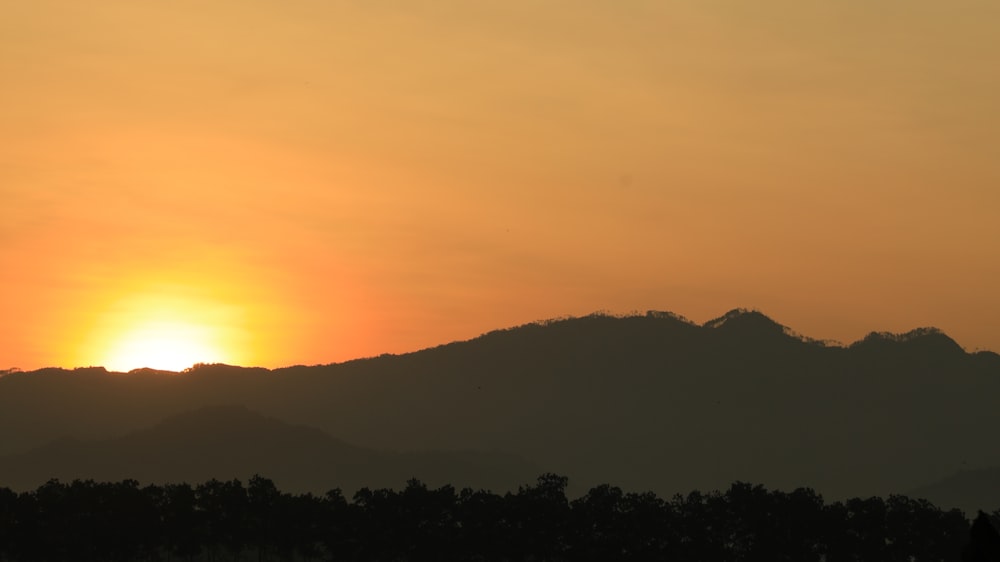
273,182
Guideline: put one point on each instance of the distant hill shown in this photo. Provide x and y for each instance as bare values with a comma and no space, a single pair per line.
233,442
646,402
968,490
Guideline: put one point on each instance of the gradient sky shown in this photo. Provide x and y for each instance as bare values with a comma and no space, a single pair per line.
306,181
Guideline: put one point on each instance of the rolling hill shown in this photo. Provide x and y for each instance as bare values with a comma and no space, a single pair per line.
226,442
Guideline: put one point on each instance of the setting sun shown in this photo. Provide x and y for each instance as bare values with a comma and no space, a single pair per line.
169,327
169,345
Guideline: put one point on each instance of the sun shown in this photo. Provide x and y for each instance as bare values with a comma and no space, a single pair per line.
168,345
167,329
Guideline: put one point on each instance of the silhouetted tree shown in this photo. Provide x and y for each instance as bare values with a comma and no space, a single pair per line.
339,527
648,524
182,521
702,533
984,541
770,525
225,508
221,521
8,522
866,534
262,502
538,515
597,520
485,527
299,526
918,530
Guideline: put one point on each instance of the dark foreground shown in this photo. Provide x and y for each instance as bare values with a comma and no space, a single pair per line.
90,521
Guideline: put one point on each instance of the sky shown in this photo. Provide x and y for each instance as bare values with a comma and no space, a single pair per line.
286,182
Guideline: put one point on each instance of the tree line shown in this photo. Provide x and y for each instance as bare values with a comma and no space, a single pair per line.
228,521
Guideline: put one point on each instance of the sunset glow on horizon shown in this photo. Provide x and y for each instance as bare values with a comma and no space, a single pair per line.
277,183
166,333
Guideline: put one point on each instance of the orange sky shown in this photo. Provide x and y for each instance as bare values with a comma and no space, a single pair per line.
308,181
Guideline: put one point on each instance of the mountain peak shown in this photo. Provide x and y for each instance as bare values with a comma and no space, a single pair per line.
929,338
743,318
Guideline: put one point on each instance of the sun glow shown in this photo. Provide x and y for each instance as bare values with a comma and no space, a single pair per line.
168,328
168,345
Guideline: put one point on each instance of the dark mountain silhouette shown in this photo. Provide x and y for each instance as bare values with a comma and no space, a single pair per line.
968,490
649,402
233,442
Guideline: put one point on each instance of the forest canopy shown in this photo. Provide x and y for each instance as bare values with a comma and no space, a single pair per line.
230,520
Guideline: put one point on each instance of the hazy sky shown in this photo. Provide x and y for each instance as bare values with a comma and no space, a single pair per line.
303,181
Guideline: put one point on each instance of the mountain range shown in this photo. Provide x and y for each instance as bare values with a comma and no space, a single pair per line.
646,402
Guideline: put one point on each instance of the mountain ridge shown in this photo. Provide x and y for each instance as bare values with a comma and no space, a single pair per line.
743,319
650,402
